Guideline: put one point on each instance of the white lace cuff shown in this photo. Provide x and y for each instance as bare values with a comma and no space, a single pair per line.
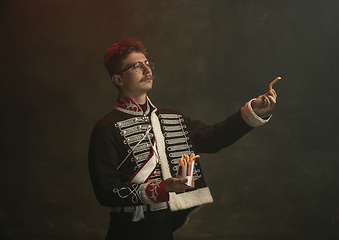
251,118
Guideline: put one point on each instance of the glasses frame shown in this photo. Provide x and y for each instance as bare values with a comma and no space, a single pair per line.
135,65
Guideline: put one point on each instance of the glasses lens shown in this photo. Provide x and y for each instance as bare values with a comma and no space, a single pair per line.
139,67
150,64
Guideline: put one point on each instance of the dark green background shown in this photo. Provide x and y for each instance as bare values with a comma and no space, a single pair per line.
278,182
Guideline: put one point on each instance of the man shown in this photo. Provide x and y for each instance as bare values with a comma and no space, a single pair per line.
134,150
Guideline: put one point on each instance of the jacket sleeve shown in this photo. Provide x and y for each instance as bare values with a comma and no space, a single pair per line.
111,186
212,138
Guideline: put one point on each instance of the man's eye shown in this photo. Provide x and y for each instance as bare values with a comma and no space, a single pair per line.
137,65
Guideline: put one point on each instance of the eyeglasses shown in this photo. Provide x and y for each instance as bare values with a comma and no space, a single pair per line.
139,66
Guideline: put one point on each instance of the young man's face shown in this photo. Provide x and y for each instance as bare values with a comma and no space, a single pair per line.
133,83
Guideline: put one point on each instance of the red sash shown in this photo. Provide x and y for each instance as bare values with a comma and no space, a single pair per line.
147,168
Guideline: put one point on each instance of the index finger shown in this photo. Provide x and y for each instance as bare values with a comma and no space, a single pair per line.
271,93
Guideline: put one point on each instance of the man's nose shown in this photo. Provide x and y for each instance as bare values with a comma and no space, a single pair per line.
147,69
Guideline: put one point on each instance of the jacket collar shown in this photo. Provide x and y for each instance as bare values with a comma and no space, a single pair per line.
128,105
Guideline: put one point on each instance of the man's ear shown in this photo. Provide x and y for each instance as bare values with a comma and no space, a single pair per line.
116,79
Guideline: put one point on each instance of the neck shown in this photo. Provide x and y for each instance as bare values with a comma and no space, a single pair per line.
140,100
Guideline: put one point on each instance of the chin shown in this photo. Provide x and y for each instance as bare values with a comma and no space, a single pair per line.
149,85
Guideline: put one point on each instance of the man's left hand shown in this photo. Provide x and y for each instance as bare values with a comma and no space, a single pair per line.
264,103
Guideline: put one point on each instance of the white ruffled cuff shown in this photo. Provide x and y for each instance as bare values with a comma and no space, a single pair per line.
251,118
